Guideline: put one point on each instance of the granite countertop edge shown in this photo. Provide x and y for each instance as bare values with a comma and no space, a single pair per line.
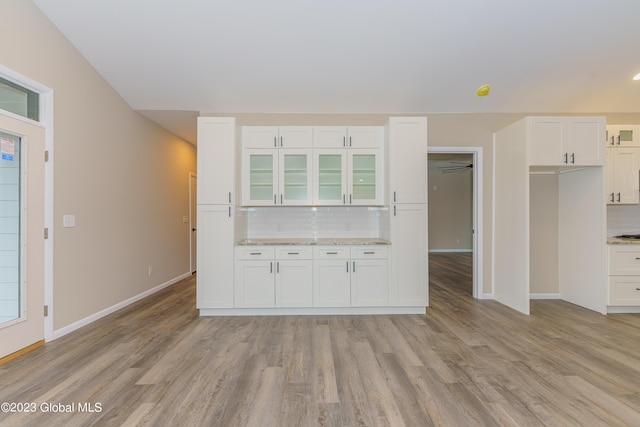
622,241
315,242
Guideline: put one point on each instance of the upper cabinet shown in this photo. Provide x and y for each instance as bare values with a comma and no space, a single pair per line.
566,141
277,137
407,159
216,160
348,165
622,184
623,136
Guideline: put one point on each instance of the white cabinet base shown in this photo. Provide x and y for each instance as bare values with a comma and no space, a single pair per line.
322,311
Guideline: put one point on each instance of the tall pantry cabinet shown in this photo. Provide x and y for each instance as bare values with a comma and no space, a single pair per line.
215,209
407,174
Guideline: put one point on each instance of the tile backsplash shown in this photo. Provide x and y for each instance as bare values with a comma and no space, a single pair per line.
623,219
312,222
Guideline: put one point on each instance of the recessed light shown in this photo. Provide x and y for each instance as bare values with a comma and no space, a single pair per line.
636,77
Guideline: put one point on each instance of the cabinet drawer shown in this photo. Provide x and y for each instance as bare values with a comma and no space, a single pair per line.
364,252
254,252
624,260
294,252
624,290
331,252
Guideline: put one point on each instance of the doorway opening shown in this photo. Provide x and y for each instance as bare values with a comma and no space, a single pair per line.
455,206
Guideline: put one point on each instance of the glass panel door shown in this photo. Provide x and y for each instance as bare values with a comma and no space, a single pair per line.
363,177
296,177
331,170
261,178
10,220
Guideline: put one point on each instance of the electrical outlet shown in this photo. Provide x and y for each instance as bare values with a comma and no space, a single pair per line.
185,219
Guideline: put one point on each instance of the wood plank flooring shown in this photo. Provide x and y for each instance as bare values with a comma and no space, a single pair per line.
466,362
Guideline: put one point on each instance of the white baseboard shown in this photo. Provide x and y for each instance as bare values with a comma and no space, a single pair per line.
544,296
623,310
486,296
450,250
92,318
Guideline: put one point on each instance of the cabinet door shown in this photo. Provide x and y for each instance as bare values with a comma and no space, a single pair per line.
295,136
622,175
254,284
216,160
260,177
295,177
548,141
330,136
408,159
369,282
585,136
623,136
260,137
330,184
214,281
365,177
331,283
365,137
294,280
624,291
409,256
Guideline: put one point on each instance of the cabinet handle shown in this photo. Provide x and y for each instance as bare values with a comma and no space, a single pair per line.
350,142
336,253
612,143
637,289
275,141
293,253
612,199
229,211
278,267
344,141
354,267
369,253
344,200
394,197
347,266
255,253
280,141
394,210
573,158
566,158
271,267
638,258
618,197
275,201
229,196
280,198
350,199
618,139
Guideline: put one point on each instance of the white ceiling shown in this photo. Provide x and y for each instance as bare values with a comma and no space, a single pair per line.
172,59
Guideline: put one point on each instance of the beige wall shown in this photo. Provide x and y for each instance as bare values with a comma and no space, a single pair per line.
125,178
543,234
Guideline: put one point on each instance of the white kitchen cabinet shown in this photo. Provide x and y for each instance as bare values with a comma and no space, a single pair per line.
566,141
294,276
254,285
215,257
623,136
622,174
277,137
624,275
215,198
274,177
331,276
348,177
216,160
409,255
407,159
369,276
348,137
356,276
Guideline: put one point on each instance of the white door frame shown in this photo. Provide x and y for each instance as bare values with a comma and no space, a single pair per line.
46,120
478,287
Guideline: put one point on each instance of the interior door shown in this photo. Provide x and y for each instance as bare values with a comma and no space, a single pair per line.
21,234
193,219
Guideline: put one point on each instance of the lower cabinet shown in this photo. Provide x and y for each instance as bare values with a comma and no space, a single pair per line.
624,275
266,277
305,276
356,276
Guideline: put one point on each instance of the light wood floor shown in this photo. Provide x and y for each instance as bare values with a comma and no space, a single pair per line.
466,362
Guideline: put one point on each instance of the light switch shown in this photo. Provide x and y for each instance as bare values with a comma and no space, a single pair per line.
69,221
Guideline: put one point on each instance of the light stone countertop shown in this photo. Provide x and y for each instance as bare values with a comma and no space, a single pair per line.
312,241
622,241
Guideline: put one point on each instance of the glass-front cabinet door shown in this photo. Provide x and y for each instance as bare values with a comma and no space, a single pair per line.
365,179
331,177
260,180
295,177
